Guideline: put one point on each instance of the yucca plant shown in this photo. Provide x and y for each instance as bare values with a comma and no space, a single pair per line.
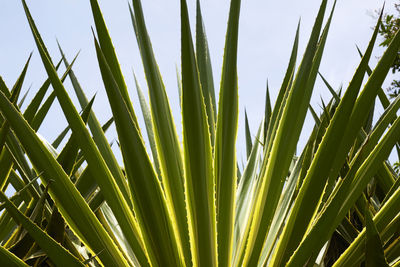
188,202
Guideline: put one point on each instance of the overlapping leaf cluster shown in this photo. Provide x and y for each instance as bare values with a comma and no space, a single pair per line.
187,203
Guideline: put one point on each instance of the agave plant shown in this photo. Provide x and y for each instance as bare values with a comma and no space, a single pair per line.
187,202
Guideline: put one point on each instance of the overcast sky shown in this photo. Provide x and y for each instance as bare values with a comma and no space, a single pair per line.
266,35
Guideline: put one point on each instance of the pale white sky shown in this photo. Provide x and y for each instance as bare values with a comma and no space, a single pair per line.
267,31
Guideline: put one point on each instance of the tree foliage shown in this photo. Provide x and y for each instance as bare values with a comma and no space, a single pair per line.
389,27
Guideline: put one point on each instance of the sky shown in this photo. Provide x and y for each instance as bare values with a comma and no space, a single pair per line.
266,34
